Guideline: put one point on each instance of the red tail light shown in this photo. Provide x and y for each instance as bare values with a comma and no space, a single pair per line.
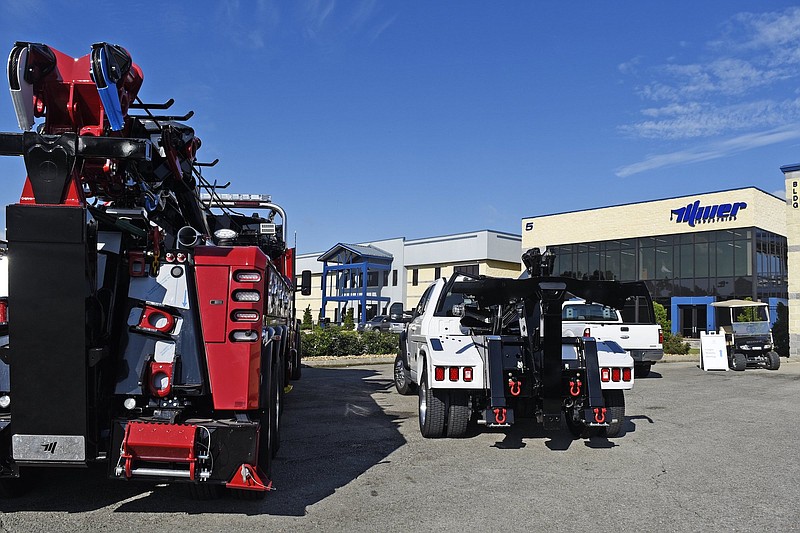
3,310
454,372
605,374
587,332
438,373
626,374
467,373
615,374
660,336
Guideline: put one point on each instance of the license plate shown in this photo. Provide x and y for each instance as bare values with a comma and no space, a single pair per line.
54,448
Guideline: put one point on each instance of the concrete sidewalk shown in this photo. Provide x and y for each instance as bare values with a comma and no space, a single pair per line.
352,360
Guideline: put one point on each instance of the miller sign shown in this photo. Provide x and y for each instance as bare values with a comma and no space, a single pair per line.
694,213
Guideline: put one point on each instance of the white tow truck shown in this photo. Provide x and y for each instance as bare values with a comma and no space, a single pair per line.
492,349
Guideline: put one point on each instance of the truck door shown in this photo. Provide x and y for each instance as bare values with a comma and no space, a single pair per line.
416,339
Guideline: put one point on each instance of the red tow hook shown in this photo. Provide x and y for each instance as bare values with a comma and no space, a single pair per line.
515,387
600,415
500,415
575,387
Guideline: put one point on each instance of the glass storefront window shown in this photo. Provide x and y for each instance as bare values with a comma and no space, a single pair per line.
719,262
664,266
628,264
701,259
647,263
742,252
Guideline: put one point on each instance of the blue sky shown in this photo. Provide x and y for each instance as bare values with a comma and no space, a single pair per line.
374,119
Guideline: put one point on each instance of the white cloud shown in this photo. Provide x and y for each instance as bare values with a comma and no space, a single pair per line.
744,89
711,150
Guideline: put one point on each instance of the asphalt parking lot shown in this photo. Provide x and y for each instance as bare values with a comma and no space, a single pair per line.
702,452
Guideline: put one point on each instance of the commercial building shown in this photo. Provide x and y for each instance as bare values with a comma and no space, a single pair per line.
690,250
369,277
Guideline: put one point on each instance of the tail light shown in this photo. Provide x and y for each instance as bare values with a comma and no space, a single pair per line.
242,295
247,276
467,373
626,374
616,374
244,315
587,332
3,310
605,374
660,336
454,372
438,373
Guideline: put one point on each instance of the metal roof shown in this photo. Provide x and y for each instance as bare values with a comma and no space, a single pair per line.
738,303
366,252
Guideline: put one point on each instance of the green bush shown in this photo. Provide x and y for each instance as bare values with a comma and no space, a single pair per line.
675,344
338,341
672,343
378,342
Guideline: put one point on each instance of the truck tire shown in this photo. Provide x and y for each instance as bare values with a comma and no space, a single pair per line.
738,362
615,413
276,407
773,361
458,414
402,377
642,370
575,425
297,362
432,410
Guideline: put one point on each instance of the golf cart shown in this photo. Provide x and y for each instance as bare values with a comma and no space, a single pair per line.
747,335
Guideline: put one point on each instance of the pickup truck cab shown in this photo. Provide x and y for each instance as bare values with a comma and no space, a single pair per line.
643,341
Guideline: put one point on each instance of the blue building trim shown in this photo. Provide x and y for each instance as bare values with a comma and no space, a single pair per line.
677,301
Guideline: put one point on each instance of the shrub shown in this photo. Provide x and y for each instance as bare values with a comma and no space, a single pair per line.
378,342
338,341
672,343
675,344
780,330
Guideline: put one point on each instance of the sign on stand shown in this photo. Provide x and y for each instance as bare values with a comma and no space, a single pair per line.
713,352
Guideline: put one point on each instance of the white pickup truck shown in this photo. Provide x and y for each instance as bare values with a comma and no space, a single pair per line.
493,348
643,341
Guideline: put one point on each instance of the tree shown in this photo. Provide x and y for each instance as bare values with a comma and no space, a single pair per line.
307,320
349,322
672,343
780,330
748,314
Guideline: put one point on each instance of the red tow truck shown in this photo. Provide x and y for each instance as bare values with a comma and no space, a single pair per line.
149,323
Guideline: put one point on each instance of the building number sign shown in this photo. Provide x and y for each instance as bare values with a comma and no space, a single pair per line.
795,203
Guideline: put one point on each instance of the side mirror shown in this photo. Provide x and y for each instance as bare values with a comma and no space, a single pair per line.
396,311
305,283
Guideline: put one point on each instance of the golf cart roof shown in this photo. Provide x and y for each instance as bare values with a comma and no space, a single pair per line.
738,303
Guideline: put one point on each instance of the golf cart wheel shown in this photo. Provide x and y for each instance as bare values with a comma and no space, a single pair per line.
738,362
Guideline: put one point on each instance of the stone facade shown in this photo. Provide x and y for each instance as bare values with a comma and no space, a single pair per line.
792,174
